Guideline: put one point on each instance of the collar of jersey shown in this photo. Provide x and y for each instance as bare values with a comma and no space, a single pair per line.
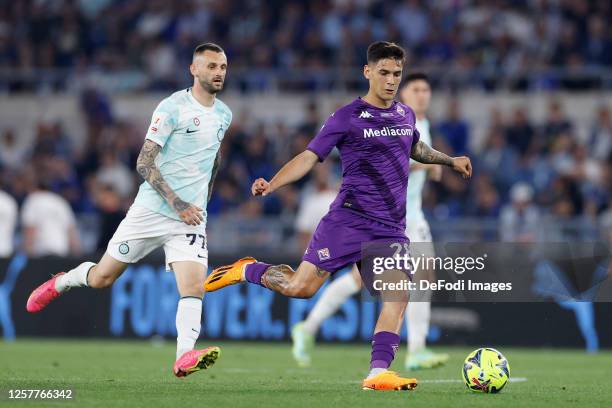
370,106
194,100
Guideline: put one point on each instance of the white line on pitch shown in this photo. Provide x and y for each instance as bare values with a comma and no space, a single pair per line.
452,380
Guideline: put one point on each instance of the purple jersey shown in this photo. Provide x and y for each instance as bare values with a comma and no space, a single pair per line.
374,145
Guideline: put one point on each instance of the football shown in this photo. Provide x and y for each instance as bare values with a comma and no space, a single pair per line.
486,370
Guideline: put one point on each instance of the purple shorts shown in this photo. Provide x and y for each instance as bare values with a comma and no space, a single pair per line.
338,239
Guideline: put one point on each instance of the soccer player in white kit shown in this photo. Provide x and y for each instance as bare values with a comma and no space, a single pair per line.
416,93
178,161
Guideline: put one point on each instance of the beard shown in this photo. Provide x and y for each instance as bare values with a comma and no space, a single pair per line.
211,87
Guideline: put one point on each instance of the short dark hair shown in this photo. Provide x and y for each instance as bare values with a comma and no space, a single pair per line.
207,47
416,76
383,49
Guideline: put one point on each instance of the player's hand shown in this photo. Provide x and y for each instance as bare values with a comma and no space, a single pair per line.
189,213
260,187
463,166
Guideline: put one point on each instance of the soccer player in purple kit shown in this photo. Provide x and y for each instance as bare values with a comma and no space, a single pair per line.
376,137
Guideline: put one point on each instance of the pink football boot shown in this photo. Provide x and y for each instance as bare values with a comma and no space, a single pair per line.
43,295
196,360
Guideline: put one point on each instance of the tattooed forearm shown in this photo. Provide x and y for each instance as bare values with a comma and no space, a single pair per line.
425,154
215,169
277,278
179,205
145,165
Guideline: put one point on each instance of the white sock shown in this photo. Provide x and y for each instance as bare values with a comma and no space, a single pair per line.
188,323
76,277
330,301
375,371
417,319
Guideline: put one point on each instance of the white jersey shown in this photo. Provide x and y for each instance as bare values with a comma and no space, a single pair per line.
312,209
190,135
52,218
8,222
416,182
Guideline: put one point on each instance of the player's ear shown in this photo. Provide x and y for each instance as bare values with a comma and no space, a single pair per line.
192,69
366,71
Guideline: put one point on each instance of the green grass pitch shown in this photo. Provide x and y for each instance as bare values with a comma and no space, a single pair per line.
113,373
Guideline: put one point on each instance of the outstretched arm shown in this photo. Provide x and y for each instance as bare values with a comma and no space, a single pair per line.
145,165
294,170
422,153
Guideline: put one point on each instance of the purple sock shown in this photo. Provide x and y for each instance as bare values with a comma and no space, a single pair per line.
255,271
384,346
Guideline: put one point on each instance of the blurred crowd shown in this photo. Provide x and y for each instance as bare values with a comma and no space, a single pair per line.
528,170
140,44
524,171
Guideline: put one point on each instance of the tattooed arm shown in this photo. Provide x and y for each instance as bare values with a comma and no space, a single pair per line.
425,154
422,153
215,169
145,165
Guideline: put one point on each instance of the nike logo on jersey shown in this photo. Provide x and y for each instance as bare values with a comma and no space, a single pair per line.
191,131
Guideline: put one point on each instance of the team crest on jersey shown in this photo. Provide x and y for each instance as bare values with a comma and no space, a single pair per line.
196,121
124,248
323,254
220,133
400,110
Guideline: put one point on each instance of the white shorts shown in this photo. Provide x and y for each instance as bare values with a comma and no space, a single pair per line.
143,231
419,233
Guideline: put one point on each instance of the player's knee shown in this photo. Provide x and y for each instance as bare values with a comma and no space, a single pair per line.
195,289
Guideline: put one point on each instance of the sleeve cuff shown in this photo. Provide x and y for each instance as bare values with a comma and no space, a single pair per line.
321,158
155,139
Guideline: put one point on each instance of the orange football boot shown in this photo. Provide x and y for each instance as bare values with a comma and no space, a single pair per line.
227,275
389,381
